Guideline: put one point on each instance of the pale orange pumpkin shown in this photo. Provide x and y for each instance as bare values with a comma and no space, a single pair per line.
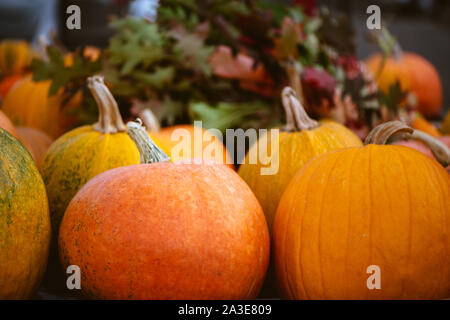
379,205
6,124
175,146
36,141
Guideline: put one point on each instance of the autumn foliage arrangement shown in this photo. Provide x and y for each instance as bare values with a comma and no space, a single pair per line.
225,63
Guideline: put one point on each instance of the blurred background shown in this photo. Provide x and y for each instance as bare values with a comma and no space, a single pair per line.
225,62
421,26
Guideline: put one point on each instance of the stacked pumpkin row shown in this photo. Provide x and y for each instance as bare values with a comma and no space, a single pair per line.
182,230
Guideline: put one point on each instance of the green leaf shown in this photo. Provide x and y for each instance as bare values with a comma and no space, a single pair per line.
61,75
224,115
162,76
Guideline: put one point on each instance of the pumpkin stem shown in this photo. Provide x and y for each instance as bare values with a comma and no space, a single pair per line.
296,116
440,151
381,133
149,151
109,118
293,70
150,121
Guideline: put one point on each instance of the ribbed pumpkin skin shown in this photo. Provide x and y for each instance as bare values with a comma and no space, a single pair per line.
346,210
295,150
414,73
27,104
196,232
15,56
78,156
24,221
7,83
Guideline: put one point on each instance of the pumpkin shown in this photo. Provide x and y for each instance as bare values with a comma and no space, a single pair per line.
417,145
356,210
15,56
36,141
445,126
445,140
302,140
415,74
7,83
84,152
28,104
422,124
89,52
24,221
6,124
175,146
161,230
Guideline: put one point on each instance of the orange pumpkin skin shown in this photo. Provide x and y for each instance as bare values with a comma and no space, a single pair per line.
414,73
421,124
36,141
166,231
7,83
164,136
347,210
28,104
15,56
6,124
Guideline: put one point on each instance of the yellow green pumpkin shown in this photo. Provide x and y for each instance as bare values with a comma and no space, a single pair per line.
302,140
24,221
84,152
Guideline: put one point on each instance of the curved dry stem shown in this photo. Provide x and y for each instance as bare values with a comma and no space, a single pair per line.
380,135
109,118
149,151
296,116
440,151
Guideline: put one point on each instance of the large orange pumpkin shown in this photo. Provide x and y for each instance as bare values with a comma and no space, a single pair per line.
166,231
302,140
28,104
415,74
172,141
351,211
24,221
